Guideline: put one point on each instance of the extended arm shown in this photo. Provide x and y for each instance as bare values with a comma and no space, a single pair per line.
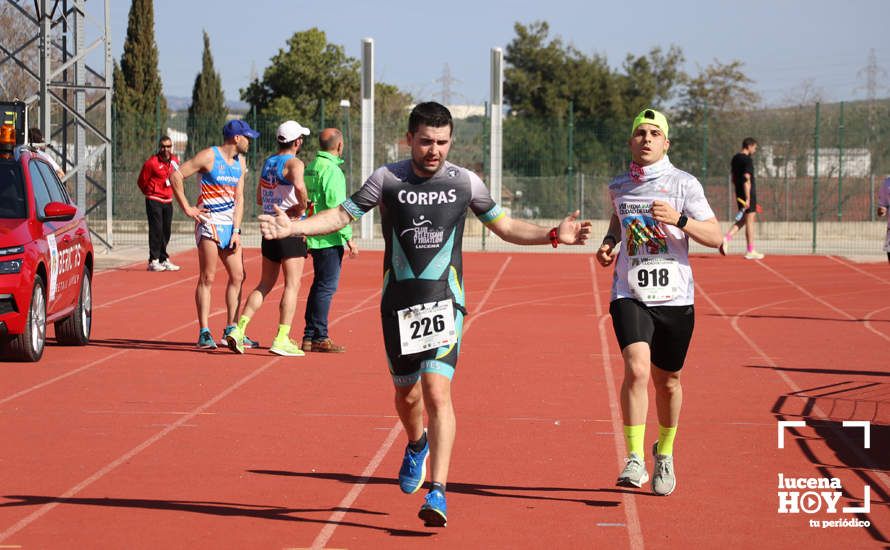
280,225
203,161
569,231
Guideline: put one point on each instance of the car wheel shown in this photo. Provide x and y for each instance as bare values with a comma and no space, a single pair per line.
74,330
28,346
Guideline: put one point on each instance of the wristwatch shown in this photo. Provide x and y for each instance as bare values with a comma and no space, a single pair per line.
681,223
237,230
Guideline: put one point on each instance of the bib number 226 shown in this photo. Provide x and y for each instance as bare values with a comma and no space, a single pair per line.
426,326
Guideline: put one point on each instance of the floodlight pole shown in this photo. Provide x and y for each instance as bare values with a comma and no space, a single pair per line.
497,113
367,126
347,140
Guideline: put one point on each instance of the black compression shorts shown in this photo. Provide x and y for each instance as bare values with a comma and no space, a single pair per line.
667,330
406,369
282,249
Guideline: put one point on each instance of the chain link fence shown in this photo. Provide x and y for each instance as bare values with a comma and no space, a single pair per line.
817,171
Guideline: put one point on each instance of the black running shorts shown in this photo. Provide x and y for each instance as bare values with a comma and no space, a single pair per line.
752,205
282,249
667,330
406,369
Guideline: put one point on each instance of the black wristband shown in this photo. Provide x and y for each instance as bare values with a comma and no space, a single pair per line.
610,237
681,223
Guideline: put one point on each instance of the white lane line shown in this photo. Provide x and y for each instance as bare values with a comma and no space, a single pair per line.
854,268
157,288
113,355
733,321
343,507
634,531
111,466
821,301
334,520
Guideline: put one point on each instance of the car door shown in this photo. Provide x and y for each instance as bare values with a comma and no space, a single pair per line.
73,234
57,245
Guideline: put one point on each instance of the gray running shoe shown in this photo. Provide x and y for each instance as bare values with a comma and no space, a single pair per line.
634,473
663,480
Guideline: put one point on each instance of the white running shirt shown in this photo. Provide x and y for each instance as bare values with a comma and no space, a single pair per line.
646,240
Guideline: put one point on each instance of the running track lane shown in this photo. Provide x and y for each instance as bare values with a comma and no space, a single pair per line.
268,465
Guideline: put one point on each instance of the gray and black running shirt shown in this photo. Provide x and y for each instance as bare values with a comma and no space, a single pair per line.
423,218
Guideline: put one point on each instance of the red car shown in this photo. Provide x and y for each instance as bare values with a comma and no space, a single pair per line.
46,256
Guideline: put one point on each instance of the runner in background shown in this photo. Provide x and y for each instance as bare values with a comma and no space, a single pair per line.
217,218
281,184
742,171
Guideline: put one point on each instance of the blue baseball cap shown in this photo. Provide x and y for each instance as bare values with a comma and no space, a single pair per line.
238,127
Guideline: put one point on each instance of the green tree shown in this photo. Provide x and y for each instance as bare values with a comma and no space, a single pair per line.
544,77
720,87
308,71
650,81
709,107
138,100
391,121
207,113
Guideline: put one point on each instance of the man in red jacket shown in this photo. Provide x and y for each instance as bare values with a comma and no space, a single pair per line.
154,181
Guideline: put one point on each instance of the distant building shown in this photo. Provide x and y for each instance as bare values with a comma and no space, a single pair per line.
779,160
461,112
856,162
180,141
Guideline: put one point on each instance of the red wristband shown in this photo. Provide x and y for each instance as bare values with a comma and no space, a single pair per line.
554,237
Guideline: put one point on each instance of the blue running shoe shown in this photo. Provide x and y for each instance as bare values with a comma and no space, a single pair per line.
434,511
248,342
205,340
413,471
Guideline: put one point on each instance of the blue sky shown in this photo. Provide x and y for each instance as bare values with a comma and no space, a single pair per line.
782,43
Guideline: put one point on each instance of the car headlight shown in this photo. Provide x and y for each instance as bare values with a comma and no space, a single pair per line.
8,251
10,266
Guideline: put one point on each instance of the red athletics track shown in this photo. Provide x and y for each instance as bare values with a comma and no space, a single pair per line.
141,441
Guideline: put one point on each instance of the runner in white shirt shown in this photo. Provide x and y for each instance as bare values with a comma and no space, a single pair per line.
656,209
883,206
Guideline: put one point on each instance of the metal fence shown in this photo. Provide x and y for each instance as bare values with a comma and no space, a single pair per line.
817,169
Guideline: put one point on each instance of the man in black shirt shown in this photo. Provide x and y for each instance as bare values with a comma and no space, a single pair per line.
423,204
746,196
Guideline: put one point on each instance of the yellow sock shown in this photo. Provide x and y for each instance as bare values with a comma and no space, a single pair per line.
242,323
666,440
283,331
634,437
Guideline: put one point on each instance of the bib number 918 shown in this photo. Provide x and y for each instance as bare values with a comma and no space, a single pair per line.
653,277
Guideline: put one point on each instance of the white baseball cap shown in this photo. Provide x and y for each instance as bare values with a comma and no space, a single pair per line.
291,130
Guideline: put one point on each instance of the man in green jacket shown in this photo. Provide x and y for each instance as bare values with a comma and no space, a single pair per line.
327,189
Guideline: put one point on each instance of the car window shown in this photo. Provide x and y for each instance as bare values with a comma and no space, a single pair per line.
12,192
41,194
57,191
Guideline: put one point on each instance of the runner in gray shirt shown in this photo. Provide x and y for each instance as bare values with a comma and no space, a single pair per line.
423,205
